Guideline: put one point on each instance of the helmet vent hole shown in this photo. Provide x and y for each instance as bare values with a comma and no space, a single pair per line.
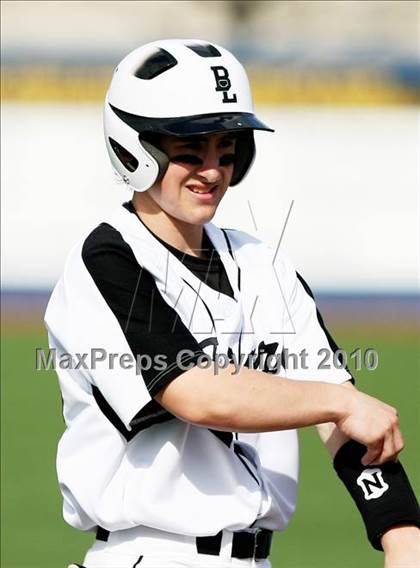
156,64
205,50
127,159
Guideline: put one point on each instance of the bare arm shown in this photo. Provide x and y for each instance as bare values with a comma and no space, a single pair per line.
401,545
254,401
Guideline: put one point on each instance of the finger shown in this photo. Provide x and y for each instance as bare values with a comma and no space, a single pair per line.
373,452
388,452
391,409
391,450
398,442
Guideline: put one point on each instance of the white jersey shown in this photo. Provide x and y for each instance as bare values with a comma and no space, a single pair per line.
123,460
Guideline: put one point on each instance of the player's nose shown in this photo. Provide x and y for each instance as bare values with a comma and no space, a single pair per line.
211,170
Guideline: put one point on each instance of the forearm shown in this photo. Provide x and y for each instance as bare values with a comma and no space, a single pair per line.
401,545
330,435
251,401
254,401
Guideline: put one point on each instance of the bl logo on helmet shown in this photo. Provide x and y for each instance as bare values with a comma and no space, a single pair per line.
223,84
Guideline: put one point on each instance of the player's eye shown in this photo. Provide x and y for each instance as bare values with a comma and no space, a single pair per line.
187,159
227,159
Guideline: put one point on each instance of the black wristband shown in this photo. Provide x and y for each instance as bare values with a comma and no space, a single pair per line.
383,493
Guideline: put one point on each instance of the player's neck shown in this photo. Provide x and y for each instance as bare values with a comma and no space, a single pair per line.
183,236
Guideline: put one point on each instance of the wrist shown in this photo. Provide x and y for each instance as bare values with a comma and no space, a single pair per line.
401,537
342,401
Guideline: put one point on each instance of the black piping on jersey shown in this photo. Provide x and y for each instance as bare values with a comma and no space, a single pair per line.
241,455
229,246
232,255
205,305
227,439
333,345
239,284
160,416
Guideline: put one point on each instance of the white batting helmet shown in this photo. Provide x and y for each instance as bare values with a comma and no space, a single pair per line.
176,87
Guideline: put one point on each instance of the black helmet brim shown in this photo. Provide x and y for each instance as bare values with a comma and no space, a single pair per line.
193,125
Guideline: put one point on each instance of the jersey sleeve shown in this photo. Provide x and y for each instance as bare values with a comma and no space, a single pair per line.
309,350
153,329
108,303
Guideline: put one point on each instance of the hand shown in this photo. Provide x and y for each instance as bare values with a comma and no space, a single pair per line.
374,424
401,545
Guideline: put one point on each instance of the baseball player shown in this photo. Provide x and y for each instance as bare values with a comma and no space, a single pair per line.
175,339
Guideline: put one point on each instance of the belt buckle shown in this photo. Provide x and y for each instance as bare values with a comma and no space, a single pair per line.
262,544
257,533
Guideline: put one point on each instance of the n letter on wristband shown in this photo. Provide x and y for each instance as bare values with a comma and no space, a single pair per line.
382,493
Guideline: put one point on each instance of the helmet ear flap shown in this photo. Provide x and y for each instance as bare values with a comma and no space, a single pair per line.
244,155
127,159
160,156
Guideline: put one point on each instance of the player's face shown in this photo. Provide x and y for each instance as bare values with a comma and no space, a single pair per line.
199,173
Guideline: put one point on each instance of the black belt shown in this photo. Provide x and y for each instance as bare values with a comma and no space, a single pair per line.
244,544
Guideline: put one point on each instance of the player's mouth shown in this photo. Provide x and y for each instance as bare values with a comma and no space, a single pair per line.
203,193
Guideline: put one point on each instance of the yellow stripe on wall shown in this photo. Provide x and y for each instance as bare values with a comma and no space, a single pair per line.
270,86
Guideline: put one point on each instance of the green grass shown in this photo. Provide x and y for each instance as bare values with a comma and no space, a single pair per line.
325,532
